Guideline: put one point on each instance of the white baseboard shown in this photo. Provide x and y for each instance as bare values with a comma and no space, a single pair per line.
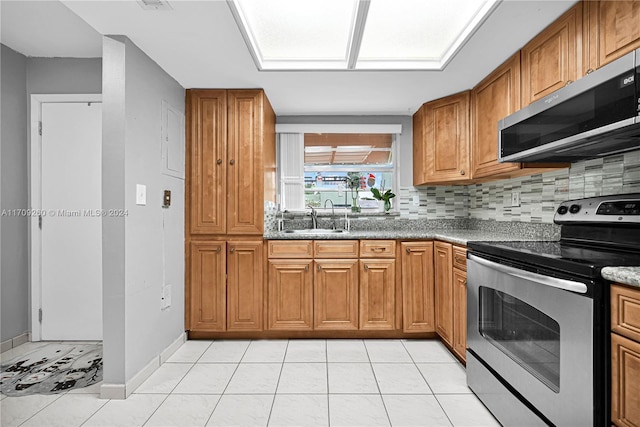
168,352
122,391
14,342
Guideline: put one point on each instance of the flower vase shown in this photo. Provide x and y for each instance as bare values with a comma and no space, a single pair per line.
387,206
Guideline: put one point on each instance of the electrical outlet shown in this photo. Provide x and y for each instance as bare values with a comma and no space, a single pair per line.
416,200
141,194
515,198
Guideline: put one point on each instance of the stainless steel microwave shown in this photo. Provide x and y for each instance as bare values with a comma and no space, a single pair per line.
596,116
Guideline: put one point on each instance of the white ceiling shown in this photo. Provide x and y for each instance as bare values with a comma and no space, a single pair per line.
199,44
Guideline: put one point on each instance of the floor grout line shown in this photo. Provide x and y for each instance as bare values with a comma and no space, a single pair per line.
273,402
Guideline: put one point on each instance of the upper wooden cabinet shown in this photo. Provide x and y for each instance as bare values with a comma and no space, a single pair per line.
419,149
446,139
611,30
231,160
553,58
441,136
494,98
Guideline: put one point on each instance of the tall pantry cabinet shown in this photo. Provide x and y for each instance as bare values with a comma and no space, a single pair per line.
231,170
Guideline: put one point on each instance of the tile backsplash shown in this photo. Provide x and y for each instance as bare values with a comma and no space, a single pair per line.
540,194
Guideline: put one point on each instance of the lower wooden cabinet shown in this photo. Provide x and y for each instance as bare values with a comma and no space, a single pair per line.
418,308
450,263
244,285
443,264
625,387
377,294
290,304
460,313
208,286
335,294
625,356
226,286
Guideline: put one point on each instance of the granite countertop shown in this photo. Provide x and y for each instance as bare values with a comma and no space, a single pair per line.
456,236
626,275
459,233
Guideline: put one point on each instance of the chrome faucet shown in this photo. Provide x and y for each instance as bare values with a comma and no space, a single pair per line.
314,217
333,213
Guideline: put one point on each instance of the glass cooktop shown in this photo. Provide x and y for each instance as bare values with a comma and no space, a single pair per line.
566,257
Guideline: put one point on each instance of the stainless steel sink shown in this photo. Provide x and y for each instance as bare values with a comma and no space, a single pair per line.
316,231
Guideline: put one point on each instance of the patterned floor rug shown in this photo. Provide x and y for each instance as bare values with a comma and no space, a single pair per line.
52,368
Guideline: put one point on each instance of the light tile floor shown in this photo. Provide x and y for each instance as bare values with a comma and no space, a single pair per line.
275,383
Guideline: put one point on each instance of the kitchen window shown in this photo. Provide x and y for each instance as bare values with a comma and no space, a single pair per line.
341,167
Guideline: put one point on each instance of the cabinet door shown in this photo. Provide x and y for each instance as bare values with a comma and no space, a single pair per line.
290,294
417,287
611,29
625,387
419,148
444,291
245,163
335,295
377,294
208,287
207,157
460,313
244,286
497,96
553,58
447,138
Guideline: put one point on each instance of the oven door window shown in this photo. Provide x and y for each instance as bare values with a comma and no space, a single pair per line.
525,334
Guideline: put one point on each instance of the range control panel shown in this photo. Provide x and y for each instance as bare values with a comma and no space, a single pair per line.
619,208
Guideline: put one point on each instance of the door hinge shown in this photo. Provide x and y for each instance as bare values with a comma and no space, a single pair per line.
40,222
40,128
40,315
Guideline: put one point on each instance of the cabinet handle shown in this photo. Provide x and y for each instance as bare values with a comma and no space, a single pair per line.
219,161
232,249
219,249
306,268
589,71
319,268
408,250
378,249
569,82
366,267
462,172
232,162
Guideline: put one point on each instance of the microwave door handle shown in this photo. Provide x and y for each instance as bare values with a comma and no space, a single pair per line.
567,285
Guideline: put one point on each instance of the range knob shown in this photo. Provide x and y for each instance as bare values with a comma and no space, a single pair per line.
562,210
574,209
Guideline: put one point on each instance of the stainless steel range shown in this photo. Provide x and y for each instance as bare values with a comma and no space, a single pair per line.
538,316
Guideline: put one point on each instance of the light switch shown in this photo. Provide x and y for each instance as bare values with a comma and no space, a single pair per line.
416,200
141,194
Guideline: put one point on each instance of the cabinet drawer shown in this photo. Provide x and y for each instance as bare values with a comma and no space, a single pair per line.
625,311
460,258
377,249
290,249
335,248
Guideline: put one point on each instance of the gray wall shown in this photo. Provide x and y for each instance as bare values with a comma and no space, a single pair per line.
13,154
22,77
405,162
144,249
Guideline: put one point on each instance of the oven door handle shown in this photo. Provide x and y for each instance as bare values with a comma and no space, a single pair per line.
567,285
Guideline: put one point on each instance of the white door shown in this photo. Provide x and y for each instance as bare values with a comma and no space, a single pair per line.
71,258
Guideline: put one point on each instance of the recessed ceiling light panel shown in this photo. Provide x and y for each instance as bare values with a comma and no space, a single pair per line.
357,34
